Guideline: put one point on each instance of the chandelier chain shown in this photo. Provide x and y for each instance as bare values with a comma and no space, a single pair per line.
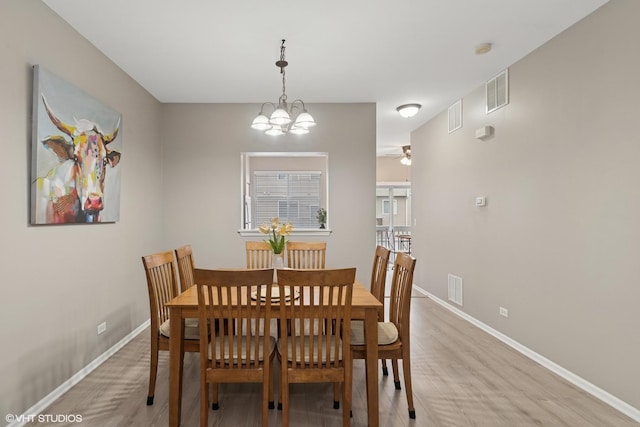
282,64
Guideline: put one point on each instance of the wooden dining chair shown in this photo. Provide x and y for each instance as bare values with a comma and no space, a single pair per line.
306,255
317,297
235,354
378,283
259,254
162,285
393,336
186,265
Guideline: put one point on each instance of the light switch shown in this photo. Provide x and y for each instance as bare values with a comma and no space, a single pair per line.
481,201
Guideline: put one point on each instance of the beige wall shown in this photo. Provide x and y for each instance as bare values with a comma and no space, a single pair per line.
559,239
201,156
389,169
59,282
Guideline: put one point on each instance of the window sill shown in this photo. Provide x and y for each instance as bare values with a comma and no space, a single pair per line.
296,232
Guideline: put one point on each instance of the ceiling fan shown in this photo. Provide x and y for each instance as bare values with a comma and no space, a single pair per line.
405,159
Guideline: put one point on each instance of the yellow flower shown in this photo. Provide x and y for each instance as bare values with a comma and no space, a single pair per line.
285,229
277,233
275,222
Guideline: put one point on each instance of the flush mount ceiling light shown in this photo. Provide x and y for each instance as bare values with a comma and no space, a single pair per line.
408,110
406,159
285,118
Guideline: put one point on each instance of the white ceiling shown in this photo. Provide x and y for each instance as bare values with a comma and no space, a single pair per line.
382,51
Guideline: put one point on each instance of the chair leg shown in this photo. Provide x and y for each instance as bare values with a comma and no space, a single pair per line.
270,404
336,393
396,375
204,402
347,393
214,404
280,380
153,370
406,369
385,371
266,391
284,395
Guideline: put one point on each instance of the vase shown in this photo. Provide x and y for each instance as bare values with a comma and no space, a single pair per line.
277,262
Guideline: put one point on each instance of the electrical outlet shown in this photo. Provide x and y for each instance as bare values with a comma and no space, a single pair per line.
102,327
504,312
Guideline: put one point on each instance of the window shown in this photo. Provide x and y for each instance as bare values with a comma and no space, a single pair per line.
385,207
290,186
290,195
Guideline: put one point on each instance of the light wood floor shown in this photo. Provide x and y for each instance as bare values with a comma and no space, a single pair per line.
461,376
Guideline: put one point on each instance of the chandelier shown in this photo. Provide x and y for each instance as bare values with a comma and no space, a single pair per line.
285,117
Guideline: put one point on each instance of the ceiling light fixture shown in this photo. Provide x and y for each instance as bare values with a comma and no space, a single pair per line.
408,110
285,117
406,159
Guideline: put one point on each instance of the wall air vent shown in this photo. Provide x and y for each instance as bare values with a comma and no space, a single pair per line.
497,90
455,289
455,116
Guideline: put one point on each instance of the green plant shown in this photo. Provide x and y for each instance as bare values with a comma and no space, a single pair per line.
322,216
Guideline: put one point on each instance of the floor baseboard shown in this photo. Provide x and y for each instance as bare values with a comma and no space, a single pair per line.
44,403
574,379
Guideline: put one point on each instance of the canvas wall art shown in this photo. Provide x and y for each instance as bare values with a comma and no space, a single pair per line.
76,151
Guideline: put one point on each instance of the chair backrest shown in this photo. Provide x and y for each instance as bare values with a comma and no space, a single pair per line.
259,255
401,287
186,264
237,301
321,298
306,255
162,284
379,275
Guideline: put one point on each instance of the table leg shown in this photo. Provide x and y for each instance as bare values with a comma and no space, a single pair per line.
371,364
176,362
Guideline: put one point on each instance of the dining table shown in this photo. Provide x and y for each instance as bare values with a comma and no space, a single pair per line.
364,306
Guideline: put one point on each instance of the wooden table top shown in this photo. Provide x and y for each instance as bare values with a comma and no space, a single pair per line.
361,299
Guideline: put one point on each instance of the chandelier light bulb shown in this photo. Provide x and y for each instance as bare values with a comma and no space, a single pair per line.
280,117
305,120
261,122
298,130
274,131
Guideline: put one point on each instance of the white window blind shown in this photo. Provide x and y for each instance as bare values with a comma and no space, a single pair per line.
291,196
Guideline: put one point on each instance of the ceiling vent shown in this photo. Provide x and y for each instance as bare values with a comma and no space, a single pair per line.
455,116
497,91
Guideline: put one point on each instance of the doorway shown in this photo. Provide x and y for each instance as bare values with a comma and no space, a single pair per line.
393,217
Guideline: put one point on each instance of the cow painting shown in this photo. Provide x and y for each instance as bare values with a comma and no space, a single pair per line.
73,190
